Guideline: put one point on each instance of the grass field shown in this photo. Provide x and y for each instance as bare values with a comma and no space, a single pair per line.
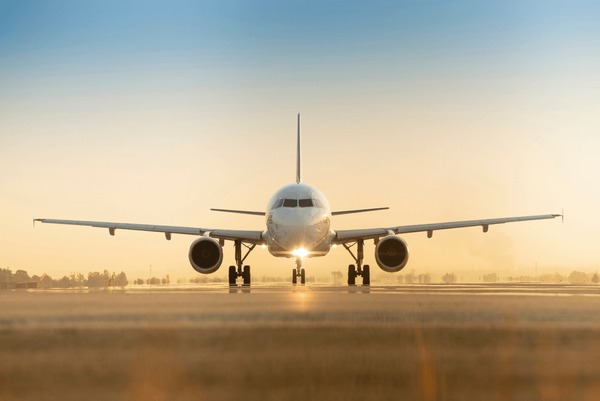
280,343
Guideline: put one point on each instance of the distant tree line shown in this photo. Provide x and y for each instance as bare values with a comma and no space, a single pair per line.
153,281
449,278
575,277
8,279
21,279
412,278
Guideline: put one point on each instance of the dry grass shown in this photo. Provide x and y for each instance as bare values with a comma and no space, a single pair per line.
289,346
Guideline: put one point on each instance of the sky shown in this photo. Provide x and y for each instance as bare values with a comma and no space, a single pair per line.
154,112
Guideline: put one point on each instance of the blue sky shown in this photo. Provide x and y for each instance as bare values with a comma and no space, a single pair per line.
464,109
251,43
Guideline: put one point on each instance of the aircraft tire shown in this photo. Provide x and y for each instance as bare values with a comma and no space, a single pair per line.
366,275
302,276
246,275
232,276
294,276
351,275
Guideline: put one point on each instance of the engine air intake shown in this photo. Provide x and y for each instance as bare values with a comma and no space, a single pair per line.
391,253
206,255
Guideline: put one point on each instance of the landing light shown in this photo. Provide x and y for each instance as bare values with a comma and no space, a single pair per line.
300,252
263,246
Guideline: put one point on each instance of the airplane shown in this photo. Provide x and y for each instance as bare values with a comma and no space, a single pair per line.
298,225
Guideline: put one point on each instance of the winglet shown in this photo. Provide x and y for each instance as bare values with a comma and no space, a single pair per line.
561,215
298,175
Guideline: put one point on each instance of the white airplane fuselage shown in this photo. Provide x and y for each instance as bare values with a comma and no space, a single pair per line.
298,222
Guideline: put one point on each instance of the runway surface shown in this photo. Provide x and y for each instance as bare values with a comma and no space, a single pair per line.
278,342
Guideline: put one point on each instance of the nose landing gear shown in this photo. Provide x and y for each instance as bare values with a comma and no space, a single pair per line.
298,272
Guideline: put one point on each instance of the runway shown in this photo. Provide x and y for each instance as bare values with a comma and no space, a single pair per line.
278,342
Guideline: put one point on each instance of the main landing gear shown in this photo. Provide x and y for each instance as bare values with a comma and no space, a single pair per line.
238,270
298,272
358,269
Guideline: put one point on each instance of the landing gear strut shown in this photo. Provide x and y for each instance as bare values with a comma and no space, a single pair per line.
358,269
298,272
238,270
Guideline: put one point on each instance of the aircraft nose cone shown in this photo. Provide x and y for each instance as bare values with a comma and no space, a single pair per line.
294,236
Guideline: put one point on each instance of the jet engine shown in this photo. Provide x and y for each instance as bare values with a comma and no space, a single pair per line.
391,253
206,255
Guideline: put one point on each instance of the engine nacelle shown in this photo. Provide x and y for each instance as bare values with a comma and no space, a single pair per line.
391,253
206,255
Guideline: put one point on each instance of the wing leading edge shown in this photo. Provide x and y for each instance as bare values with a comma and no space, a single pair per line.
254,237
370,233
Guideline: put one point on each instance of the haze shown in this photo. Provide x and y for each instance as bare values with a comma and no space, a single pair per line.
153,113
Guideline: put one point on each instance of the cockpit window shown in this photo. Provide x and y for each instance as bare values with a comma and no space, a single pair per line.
290,203
277,204
305,202
296,203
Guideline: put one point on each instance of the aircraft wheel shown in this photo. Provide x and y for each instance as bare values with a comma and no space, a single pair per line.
246,275
302,276
366,275
294,276
232,276
351,275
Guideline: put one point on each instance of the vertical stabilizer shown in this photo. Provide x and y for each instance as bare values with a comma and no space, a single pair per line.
298,176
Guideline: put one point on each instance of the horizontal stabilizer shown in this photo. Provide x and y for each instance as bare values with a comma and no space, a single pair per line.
358,211
239,211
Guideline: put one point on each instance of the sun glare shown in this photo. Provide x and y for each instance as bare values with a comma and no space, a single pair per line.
300,252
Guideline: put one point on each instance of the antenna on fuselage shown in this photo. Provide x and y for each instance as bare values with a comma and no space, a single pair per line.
298,176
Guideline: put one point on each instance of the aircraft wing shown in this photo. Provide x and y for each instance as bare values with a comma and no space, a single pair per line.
244,235
370,233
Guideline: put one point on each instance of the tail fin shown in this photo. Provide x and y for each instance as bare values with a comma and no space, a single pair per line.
298,175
